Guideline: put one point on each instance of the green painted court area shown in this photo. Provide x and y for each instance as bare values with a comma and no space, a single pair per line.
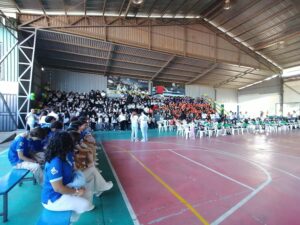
24,206
125,135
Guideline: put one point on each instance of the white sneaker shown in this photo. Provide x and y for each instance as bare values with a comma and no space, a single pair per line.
92,207
109,185
74,217
98,194
143,140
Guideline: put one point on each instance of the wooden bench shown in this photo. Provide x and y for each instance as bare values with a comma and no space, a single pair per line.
54,217
7,183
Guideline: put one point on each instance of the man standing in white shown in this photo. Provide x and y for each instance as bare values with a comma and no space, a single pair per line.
134,126
144,126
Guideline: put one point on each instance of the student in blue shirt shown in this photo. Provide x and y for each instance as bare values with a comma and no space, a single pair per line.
59,171
20,157
36,146
52,130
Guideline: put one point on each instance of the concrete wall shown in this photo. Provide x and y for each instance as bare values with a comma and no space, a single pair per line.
264,96
65,80
291,97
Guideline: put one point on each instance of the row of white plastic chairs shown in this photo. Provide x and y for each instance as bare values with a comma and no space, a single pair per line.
190,131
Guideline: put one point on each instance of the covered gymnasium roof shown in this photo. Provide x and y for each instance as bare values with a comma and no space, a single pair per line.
73,52
268,31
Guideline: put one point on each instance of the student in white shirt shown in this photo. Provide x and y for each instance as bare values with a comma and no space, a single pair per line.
31,119
134,126
54,114
144,126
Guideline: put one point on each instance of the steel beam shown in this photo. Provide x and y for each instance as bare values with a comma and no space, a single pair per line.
234,78
77,21
293,89
239,12
244,48
109,58
104,8
8,29
163,67
31,21
7,53
212,67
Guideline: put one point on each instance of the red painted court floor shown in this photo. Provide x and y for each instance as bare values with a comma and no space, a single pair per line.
233,180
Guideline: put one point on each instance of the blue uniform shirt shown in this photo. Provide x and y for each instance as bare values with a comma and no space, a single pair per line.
46,140
83,133
35,145
54,171
20,143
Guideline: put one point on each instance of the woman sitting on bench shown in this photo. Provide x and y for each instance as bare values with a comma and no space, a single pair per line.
19,153
59,171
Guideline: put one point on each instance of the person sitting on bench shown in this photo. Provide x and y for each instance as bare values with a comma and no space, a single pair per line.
59,171
95,183
36,145
19,154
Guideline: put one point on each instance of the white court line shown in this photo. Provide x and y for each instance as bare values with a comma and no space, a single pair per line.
280,170
4,152
142,150
214,171
203,149
240,156
206,149
248,197
129,207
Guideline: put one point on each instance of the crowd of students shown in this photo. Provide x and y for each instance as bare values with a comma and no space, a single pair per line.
114,113
63,161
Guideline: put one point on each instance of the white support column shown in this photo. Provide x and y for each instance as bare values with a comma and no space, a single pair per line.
26,63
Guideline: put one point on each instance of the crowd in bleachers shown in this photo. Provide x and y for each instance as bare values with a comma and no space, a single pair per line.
107,113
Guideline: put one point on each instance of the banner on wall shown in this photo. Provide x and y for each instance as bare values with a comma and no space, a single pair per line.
168,89
117,86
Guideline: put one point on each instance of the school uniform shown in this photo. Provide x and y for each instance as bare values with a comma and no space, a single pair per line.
134,127
21,144
55,170
37,150
144,126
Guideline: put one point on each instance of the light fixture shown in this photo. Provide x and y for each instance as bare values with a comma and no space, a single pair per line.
227,5
42,68
137,2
